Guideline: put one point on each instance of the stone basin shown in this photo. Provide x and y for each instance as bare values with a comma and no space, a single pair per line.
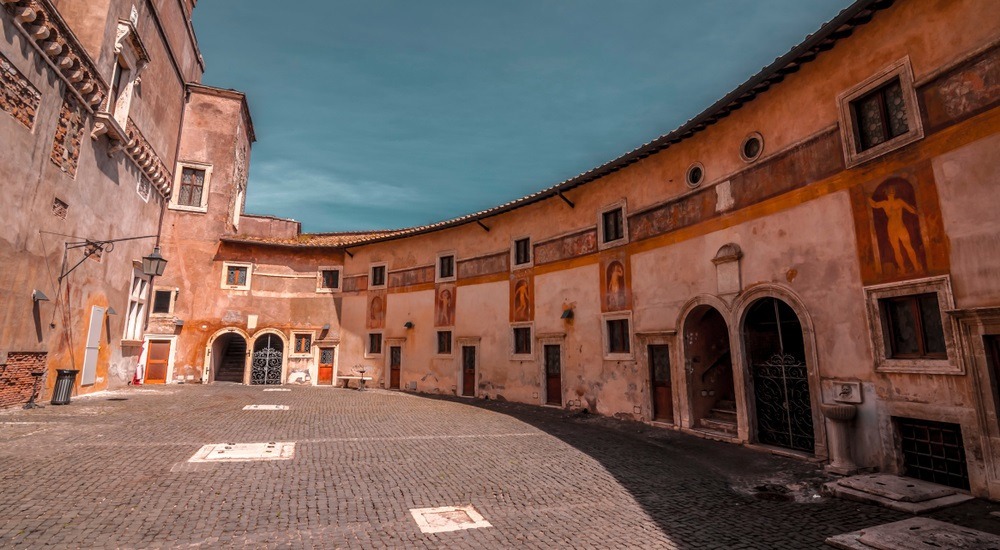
841,412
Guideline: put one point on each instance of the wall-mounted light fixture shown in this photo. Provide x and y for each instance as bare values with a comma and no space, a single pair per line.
152,265
408,324
39,296
566,314
326,327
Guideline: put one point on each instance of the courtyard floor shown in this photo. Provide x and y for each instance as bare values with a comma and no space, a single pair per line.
112,470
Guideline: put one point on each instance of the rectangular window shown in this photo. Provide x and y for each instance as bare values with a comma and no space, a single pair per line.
912,327
162,301
446,267
330,278
375,343
136,315
377,276
522,340
444,342
191,188
522,251
618,337
612,226
236,275
880,115
303,343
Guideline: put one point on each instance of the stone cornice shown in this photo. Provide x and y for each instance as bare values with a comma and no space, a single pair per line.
142,153
42,23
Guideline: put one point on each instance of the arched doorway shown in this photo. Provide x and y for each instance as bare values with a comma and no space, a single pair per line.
776,358
709,366
268,359
229,358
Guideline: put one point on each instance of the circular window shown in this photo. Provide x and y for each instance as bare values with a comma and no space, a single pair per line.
752,147
695,174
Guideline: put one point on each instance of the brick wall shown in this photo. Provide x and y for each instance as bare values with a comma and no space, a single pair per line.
17,96
16,381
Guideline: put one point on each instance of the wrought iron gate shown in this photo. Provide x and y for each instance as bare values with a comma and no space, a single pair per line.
784,411
266,366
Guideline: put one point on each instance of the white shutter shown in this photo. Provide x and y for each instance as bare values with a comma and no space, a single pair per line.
89,374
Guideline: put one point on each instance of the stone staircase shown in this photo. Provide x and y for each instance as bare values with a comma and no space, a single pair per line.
721,419
233,361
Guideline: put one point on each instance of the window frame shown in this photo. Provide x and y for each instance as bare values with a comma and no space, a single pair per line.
319,279
877,319
439,277
606,336
624,239
514,354
296,334
513,253
368,347
385,275
205,189
225,271
902,70
170,308
451,343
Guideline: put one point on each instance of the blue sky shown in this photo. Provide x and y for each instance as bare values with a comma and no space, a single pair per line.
378,114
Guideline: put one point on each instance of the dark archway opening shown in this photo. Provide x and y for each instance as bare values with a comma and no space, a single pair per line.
229,358
709,365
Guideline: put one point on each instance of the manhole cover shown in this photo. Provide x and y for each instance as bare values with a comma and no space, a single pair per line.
277,389
266,408
244,452
448,518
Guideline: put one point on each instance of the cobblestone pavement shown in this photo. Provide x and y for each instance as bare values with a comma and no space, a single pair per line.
111,470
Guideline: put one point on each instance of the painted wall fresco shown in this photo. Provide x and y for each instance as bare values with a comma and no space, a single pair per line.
899,228
566,247
522,297
410,277
483,265
616,283
444,305
968,90
376,309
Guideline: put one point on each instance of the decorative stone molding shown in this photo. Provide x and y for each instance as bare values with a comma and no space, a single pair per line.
727,269
142,153
40,22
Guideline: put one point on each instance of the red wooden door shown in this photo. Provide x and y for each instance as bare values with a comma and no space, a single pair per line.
469,370
659,370
325,375
553,375
156,362
395,365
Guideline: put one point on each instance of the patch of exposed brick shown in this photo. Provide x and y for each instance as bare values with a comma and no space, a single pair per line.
69,133
59,208
569,246
17,96
484,265
16,382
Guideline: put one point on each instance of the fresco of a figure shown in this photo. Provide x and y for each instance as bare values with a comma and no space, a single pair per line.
376,310
521,300
615,291
897,226
444,306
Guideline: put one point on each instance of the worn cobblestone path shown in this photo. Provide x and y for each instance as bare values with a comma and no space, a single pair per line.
111,470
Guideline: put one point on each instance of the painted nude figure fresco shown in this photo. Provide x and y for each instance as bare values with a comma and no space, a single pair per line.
896,229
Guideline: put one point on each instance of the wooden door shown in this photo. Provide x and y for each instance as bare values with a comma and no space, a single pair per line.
324,376
659,372
156,362
469,370
395,366
553,375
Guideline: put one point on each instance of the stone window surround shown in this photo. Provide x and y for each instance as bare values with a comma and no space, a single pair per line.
899,69
130,55
883,363
530,356
437,348
367,343
319,279
312,343
174,291
606,339
385,280
619,205
225,270
513,252
178,174
454,267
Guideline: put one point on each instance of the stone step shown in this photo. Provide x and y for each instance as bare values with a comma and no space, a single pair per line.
723,414
725,405
723,426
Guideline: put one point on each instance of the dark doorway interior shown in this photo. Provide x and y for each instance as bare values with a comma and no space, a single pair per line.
659,373
553,375
395,366
710,370
469,371
230,354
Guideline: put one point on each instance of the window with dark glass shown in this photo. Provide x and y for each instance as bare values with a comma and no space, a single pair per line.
614,226
447,266
618,341
522,340
912,327
236,275
161,301
375,343
880,115
444,342
115,91
192,186
378,275
522,251
331,278
303,343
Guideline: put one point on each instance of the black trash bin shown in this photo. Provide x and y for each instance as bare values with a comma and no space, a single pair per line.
65,379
